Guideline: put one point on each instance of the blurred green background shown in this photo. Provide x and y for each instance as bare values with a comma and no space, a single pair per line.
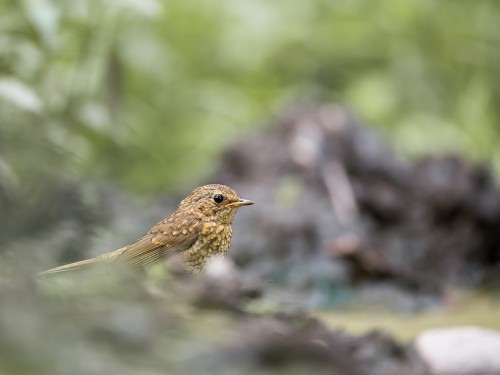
145,93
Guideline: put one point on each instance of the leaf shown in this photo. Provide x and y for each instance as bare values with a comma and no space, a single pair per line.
44,16
16,92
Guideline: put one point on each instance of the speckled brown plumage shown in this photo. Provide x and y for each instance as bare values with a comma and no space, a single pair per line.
200,228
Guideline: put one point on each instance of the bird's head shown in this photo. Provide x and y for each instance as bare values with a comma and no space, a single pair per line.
218,202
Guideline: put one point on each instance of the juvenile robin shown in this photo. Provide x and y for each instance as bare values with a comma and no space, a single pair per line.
200,228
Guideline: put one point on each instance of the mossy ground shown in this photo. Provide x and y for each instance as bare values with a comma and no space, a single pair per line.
469,308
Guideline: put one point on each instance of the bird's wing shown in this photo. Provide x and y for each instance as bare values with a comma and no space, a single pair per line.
162,241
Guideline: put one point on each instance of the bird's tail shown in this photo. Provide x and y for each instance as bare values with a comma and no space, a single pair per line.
87,263
71,267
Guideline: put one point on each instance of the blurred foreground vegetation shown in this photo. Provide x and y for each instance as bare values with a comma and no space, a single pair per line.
145,93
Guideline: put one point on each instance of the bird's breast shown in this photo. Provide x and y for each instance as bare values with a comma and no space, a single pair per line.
214,240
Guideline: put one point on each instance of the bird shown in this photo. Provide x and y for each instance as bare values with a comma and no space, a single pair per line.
200,228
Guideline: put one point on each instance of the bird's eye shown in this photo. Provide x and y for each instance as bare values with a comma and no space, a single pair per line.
218,198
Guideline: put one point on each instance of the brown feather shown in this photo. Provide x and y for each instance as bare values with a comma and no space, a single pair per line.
71,267
163,241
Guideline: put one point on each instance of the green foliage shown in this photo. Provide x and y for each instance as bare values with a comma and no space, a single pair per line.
147,92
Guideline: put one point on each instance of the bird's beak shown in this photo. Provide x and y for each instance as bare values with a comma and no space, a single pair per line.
240,203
